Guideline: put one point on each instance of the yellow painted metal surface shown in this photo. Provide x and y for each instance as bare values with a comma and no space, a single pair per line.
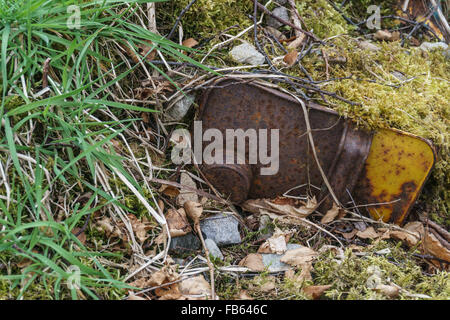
395,171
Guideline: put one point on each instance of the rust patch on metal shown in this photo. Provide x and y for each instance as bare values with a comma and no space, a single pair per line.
345,153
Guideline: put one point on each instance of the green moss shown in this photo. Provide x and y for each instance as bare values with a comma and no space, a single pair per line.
349,277
206,18
322,18
418,103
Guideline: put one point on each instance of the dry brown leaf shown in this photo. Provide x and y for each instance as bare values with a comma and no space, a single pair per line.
299,257
297,42
169,191
186,195
383,35
268,285
315,292
132,296
280,206
387,290
169,292
243,295
191,42
156,279
349,235
194,210
177,222
302,211
81,236
356,248
139,283
432,245
369,233
291,57
264,248
253,261
145,48
406,237
331,214
305,274
105,224
140,227
195,286
276,243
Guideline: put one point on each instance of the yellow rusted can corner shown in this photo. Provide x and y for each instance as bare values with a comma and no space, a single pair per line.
394,173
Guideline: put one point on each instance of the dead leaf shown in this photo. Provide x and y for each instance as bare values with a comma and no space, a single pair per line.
305,274
191,42
299,257
416,232
169,191
264,248
331,214
406,237
291,57
132,296
276,243
253,261
139,283
432,245
81,236
369,233
387,290
194,211
349,235
169,292
297,42
302,211
268,285
243,295
140,227
195,286
395,36
105,224
177,222
383,35
186,195
315,292
156,279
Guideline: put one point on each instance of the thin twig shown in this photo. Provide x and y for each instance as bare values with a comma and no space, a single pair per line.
169,36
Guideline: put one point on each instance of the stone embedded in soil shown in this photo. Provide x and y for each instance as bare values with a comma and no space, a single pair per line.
181,108
280,12
433,45
213,249
246,53
264,222
368,45
273,261
222,228
189,242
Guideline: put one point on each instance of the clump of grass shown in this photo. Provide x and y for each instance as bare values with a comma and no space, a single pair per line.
56,146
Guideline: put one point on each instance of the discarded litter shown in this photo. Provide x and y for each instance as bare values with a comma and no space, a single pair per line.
381,171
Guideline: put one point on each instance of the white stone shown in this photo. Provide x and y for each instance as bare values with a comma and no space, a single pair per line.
246,53
181,107
433,45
